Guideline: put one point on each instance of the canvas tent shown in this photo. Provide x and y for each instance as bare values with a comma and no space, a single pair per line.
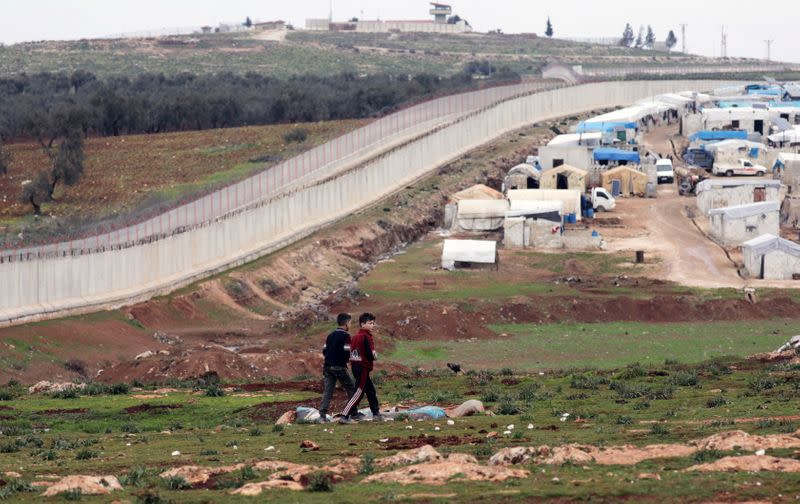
735,225
771,257
478,191
624,181
564,177
466,252
570,198
522,176
480,214
536,209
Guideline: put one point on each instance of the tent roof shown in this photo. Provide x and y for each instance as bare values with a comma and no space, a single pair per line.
718,135
611,154
724,183
768,242
477,251
792,135
622,169
723,114
570,138
566,167
478,208
542,194
739,211
478,191
733,144
524,169
530,207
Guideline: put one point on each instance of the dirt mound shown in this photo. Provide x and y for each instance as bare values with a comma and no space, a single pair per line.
574,453
48,387
143,408
629,455
253,489
732,440
190,365
439,473
749,463
88,485
196,475
426,453
398,443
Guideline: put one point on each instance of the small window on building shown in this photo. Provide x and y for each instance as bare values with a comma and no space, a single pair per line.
557,163
797,118
734,124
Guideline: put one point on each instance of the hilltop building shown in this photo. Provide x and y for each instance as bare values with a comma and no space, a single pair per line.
442,22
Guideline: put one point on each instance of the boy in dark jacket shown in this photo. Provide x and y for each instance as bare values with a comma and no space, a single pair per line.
362,356
337,353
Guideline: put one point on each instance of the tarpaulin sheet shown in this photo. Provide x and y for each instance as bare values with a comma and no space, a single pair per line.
718,135
609,154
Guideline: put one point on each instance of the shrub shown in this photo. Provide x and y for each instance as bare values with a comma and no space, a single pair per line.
247,473
6,395
9,448
716,401
206,453
641,405
367,464
624,420
130,428
255,431
76,366
684,379
214,391
507,371
661,394
707,455
85,455
587,382
73,494
479,378
119,389
659,429
490,395
760,383
65,393
48,455
507,406
403,395
320,481
177,483
298,135
626,391
528,392
277,428
634,370
135,477
95,389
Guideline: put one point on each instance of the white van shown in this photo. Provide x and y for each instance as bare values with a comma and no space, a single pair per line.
664,170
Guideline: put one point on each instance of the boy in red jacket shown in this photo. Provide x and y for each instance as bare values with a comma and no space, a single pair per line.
362,356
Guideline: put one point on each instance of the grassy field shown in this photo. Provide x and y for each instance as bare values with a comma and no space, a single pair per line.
129,174
602,345
132,435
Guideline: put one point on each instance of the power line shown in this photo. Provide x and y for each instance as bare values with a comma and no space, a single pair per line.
769,49
724,44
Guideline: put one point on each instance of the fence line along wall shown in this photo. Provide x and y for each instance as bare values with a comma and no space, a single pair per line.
56,284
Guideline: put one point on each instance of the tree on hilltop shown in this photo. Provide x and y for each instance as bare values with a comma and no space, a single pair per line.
627,36
549,29
639,38
248,22
66,168
650,40
671,40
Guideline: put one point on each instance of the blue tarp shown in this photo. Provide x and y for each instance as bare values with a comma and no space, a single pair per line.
718,135
754,152
733,104
587,126
780,104
776,91
609,154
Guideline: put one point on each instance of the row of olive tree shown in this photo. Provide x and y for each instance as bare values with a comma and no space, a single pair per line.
46,106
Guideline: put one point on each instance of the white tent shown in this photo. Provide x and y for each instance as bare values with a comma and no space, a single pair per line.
733,144
788,136
571,198
588,138
468,251
525,208
480,214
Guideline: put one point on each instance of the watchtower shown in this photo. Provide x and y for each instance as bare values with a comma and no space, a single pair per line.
440,12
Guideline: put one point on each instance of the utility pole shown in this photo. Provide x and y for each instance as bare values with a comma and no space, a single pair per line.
724,44
769,49
683,38
330,11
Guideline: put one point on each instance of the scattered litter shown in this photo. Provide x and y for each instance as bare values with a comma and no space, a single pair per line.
269,448
383,440
309,445
530,426
510,427
436,428
451,422
174,454
507,432
761,452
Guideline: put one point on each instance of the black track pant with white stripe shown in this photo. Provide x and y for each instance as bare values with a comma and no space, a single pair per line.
364,385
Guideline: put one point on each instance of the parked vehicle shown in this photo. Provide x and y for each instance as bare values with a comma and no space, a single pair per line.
664,171
742,167
602,201
699,157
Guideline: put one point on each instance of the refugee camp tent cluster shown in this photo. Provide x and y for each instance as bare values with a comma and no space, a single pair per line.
735,225
719,193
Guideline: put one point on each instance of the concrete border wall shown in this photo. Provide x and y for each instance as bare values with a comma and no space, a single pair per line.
58,285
